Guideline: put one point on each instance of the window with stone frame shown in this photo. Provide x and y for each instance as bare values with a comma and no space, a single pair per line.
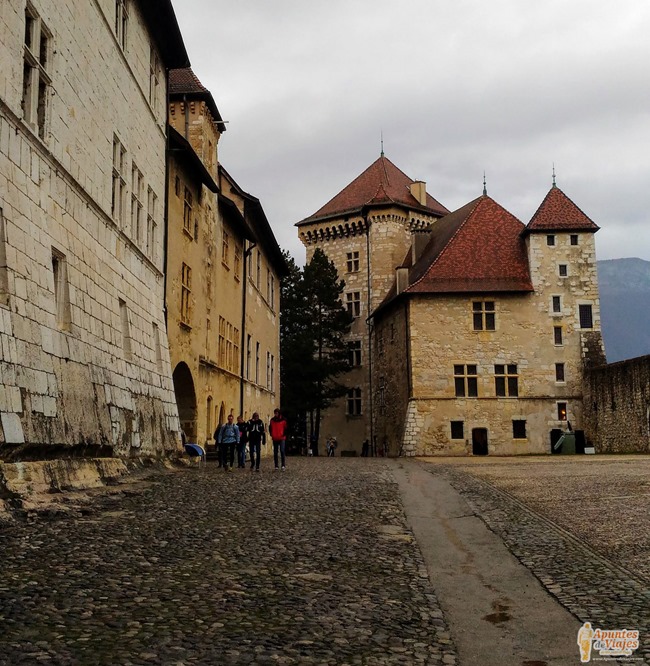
574,239
61,290
563,270
562,411
352,262
466,381
152,225
121,22
137,207
155,334
354,353
272,385
258,269
519,429
187,212
221,344
457,429
550,240
257,362
268,369
225,248
186,293
353,402
506,380
237,263
585,316
249,342
155,75
126,329
353,303
37,54
556,304
4,270
272,301
118,194
559,372
483,315
558,336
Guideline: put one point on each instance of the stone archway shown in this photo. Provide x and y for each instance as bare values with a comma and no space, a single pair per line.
186,400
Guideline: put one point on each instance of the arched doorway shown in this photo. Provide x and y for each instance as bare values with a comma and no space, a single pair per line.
185,400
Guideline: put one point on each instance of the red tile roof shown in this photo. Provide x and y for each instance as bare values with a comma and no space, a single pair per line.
381,183
478,248
185,82
558,213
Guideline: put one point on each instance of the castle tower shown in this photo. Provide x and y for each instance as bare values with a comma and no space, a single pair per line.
366,230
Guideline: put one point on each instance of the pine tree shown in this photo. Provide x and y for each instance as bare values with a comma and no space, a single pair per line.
313,327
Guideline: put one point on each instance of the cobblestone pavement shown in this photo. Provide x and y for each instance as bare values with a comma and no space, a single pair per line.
315,565
580,525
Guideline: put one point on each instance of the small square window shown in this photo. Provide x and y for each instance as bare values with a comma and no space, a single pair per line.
457,430
574,239
550,240
518,429
563,270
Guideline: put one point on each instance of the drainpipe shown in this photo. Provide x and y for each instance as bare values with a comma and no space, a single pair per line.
242,353
166,202
373,445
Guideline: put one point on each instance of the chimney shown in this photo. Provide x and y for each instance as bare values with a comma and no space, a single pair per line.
419,240
419,191
402,279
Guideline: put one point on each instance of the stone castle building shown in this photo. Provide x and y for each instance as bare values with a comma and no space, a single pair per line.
223,274
84,356
474,327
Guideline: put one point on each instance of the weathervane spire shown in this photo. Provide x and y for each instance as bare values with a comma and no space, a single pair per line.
382,143
484,185
554,175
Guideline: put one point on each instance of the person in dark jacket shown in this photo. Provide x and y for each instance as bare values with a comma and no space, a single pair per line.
256,437
241,445
278,432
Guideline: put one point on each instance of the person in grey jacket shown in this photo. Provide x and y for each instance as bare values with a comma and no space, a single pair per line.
227,440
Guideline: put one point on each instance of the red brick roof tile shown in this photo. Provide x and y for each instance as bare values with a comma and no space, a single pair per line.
558,213
185,82
478,248
381,183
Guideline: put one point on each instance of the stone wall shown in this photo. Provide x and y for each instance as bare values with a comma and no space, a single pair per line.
83,351
617,406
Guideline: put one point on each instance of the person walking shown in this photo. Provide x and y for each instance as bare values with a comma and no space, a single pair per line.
228,439
241,444
256,437
278,432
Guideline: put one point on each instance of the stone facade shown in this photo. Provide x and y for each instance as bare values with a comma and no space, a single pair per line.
220,244
617,406
428,342
84,356
365,244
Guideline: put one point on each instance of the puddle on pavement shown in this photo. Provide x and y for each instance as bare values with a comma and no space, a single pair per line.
500,614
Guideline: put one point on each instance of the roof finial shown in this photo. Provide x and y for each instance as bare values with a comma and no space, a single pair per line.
382,143
484,185
554,174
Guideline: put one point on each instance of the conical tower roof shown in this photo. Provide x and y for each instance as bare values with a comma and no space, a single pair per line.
558,213
381,183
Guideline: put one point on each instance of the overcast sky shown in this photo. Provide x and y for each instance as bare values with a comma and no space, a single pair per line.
457,87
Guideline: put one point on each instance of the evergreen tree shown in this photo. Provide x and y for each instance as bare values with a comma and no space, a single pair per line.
313,326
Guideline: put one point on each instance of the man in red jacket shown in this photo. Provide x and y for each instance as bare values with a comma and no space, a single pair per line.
278,432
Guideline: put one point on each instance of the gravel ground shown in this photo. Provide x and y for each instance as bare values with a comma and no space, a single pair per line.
315,565
581,525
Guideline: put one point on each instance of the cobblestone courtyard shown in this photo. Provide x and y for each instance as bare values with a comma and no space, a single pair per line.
316,565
